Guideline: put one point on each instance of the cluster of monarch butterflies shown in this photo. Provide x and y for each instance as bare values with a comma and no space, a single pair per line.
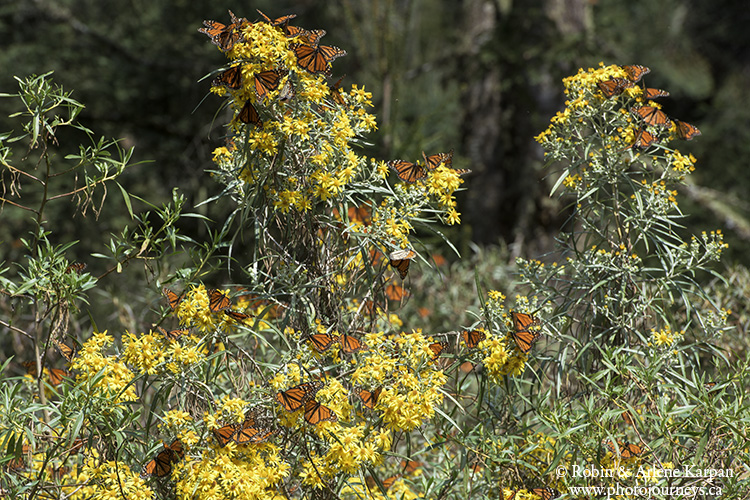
311,57
218,301
524,332
411,172
303,396
650,115
254,429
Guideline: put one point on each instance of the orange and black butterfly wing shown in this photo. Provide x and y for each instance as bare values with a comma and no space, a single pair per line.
524,340
293,399
249,432
654,93
316,413
652,116
350,344
160,465
248,114
437,349
278,21
473,338
523,321
408,171
218,301
686,131
225,434
322,341
235,315
644,139
400,259
614,86
629,450
522,333
434,161
172,298
317,59
57,375
265,82
546,493
369,398
230,78
178,450
65,350
635,71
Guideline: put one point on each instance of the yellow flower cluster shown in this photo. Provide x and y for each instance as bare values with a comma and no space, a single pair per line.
108,480
113,378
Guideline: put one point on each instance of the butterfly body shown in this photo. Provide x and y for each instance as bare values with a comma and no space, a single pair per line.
400,259
635,72
652,116
472,338
295,398
161,465
522,330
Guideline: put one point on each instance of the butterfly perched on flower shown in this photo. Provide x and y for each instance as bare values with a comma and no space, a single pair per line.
56,375
437,348
218,300
400,259
172,298
472,338
173,334
230,78
295,398
316,413
644,139
250,431
408,171
652,116
635,72
317,58
546,493
161,464
248,114
236,315
267,81
223,35
323,341
65,350
350,344
369,398
685,130
523,333
278,21
614,86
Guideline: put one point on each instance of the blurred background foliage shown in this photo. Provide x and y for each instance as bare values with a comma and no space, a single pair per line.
479,76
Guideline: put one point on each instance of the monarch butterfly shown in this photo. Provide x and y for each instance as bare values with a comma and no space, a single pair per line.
293,399
223,35
278,21
614,86
174,334
408,171
217,301
522,334
369,398
361,213
396,292
434,161
172,298
76,267
322,341
644,139
400,259
473,337
248,114
307,37
635,71
686,131
161,464
225,434
250,432
335,93
410,466
65,350
652,115
628,418
235,315
318,58
437,349
56,375
350,344
546,493
230,78
655,93
316,413
266,81
627,450
386,483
